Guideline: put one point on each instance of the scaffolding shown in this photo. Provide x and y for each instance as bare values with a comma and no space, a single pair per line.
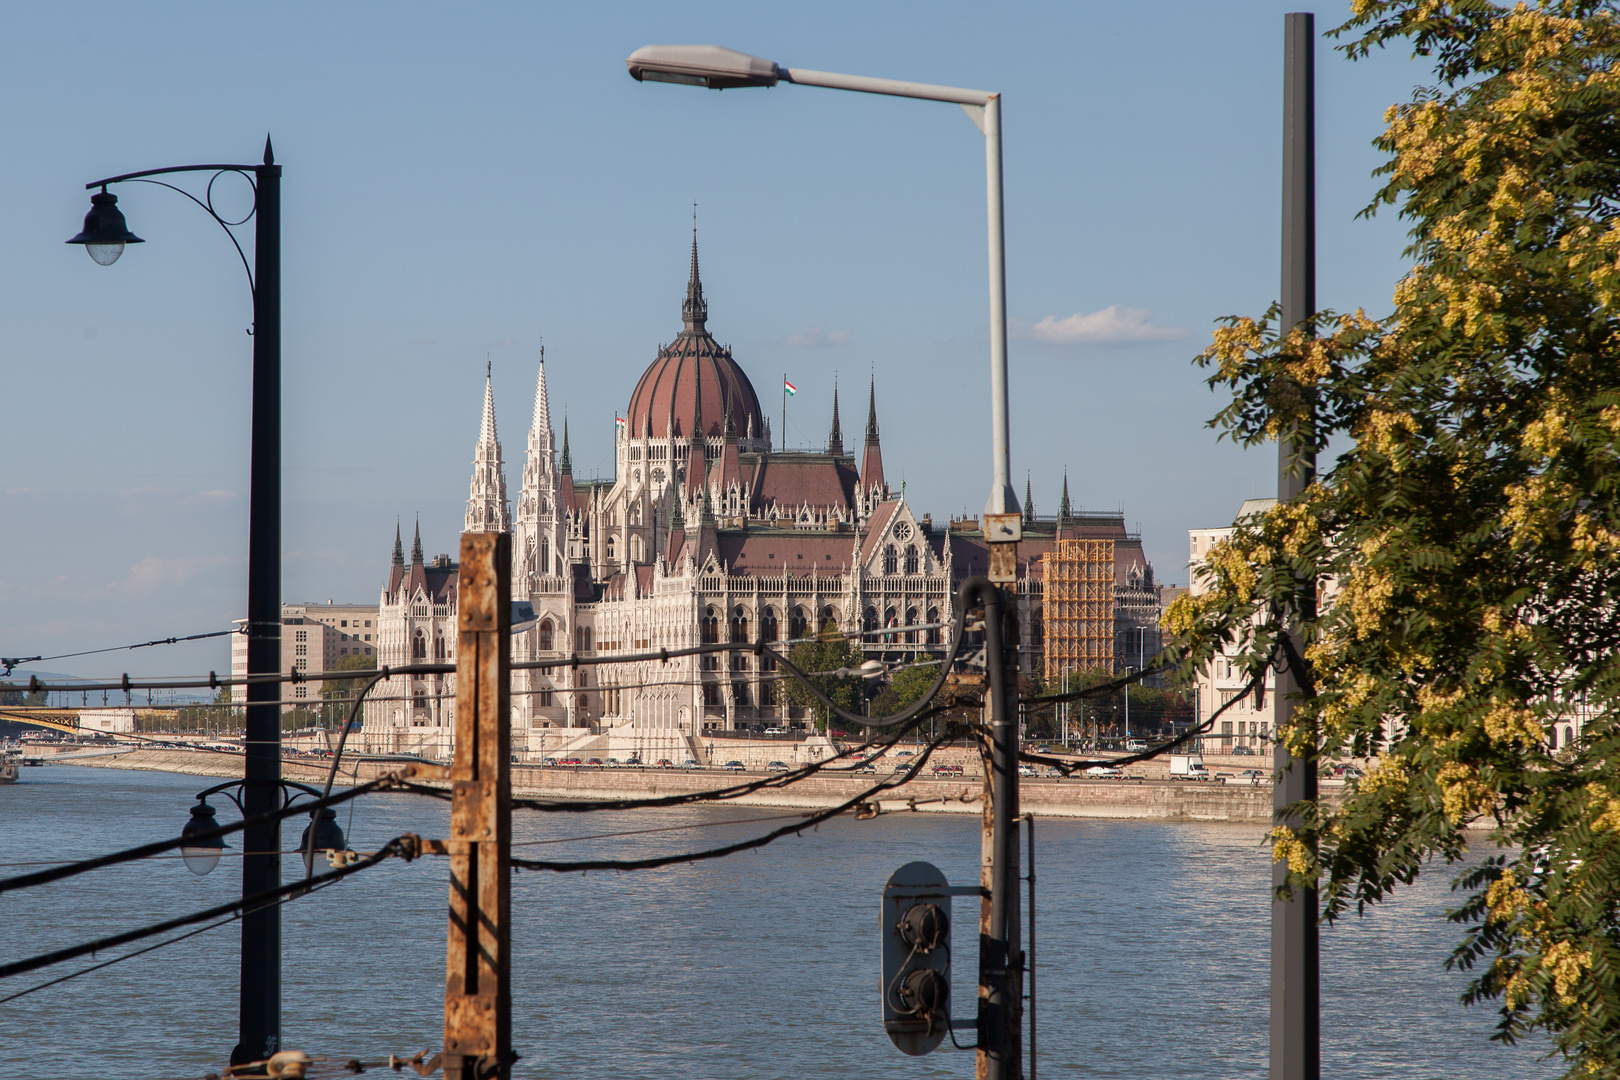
1078,615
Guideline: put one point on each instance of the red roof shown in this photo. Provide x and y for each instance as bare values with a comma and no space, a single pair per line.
693,374
788,481
776,552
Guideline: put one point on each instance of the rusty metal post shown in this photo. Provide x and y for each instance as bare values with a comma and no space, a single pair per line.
477,986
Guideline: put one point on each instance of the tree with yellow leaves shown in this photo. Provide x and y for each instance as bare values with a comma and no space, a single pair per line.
1471,532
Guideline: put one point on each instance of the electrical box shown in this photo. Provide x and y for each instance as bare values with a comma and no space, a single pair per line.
916,926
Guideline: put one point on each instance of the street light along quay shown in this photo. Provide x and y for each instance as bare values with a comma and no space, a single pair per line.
104,237
1001,975
201,856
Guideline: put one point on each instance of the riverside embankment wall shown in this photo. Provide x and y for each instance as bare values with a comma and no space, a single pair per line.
1141,799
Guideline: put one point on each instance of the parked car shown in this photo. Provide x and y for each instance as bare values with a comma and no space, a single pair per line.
1347,772
593,763
663,763
689,763
1244,751
776,766
901,767
632,763
734,766
776,731
1043,749
612,763
1026,770
947,770
1104,772
903,753
866,766
1248,778
1135,744
1053,773
550,761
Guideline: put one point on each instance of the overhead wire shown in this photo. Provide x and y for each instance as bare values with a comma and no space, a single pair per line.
405,847
10,662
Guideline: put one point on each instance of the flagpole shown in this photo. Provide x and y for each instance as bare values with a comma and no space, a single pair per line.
784,410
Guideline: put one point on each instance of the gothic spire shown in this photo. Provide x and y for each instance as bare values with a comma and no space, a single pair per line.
730,428
677,520
1029,503
567,466
694,309
872,456
487,508
835,440
871,416
416,545
399,552
706,518
1065,515
697,411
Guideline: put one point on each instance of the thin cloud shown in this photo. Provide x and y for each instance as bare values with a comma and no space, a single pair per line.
818,337
152,574
1113,325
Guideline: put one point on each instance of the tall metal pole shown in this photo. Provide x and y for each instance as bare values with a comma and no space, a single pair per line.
1002,499
1295,969
1000,1052
260,1008
260,1016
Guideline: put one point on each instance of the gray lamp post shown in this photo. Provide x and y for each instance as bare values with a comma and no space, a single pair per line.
104,238
724,69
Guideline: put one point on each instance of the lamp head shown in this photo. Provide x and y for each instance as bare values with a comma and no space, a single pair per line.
202,855
328,836
105,234
702,65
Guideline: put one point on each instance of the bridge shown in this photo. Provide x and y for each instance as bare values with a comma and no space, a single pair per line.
63,720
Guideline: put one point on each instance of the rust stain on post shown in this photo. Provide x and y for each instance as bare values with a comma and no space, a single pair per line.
477,990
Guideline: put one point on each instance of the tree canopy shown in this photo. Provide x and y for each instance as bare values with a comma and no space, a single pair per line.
1467,543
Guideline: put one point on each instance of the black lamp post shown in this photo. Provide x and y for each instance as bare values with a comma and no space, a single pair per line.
104,237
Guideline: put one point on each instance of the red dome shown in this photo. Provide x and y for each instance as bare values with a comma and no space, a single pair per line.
694,379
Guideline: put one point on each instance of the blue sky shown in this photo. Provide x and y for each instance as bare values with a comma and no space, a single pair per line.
461,182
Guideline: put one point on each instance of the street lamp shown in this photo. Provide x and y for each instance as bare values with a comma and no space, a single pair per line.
201,856
725,69
104,236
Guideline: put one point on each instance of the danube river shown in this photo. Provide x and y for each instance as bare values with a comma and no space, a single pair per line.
1152,949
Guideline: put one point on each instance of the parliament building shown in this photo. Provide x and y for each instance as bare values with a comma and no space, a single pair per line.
704,533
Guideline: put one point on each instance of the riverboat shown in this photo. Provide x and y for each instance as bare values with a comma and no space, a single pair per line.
10,766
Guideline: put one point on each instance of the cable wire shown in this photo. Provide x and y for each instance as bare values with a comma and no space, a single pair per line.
404,847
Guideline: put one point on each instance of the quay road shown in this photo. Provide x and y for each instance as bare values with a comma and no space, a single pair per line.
1152,799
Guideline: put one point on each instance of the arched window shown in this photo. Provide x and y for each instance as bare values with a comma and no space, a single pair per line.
911,558
870,621
797,624
911,620
548,639
889,619
419,646
828,615
891,560
710,626
767,634
934,634
438,646
582,639
544,565
739,624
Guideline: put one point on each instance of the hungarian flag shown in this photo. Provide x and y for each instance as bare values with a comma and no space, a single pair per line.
619,420
789,387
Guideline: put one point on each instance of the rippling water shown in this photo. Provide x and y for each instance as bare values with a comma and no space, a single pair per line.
1152,950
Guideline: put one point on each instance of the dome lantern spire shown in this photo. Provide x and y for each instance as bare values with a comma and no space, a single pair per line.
694,309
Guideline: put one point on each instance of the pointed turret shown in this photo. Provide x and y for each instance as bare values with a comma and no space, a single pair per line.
677,520
534,525
487,508
399,551
567,461
416,545
1029,502
835,438
694,309
1065,514
872,457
